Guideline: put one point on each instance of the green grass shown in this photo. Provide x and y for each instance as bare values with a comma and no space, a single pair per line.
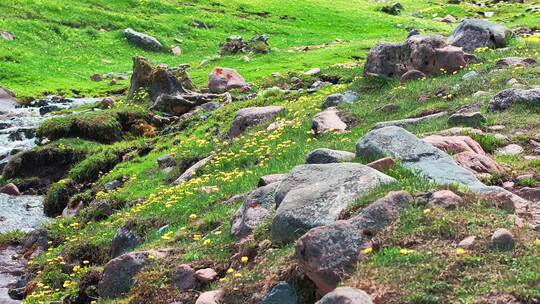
59,44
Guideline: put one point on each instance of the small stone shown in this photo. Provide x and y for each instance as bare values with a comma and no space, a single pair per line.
445,199
10,189
515,61
474,120
112,185
327,121
142,40
166,161
183,278
124,241
176,51
282,293
496,128
449,19
346,295
503,239
206,275
326,156
7,35
336,99
313,72
512,82
107,102
508,185
383,164
455,144
211,297
470,75
516,220
479,93
468,242
511,149
96,77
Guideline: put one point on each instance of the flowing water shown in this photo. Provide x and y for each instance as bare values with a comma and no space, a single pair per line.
25,212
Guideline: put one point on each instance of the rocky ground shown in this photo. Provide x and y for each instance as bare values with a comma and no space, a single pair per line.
412,176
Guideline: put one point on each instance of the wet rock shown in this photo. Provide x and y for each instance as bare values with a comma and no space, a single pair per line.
475,33
468,242
511,149
419,156
505,99
336,99
124,241
470,75
166,161
224,79
326,156
248,117
272,178
394,9
37,238
474,119
329,252
10,189
191,171
346,295
282,293
479,164
328,121
258,206
118,273
455,144
412,75
509,62
183,278
211,297
206,275
142,40
315,195
503,239
445,199
408,121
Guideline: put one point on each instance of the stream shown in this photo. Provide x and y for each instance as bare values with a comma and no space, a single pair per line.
25,212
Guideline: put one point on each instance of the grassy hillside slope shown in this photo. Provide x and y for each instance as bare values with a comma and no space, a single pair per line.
59,46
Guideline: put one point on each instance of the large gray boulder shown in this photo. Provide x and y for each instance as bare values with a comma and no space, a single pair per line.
258,206
346,295
328,253
327,156
248,117
142,40
505,99
417,155
475,33
315,195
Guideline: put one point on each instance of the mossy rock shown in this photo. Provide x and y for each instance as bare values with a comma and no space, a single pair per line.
102,127
58,197
48,163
